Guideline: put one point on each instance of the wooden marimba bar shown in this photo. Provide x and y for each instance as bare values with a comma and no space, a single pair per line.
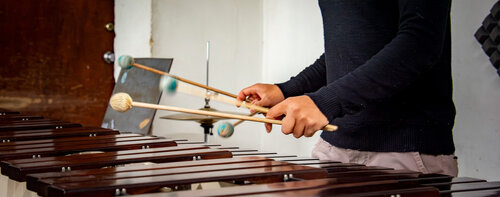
45,157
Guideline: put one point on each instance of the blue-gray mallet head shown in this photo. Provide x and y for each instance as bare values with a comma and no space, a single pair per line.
225,129
126,61
168,84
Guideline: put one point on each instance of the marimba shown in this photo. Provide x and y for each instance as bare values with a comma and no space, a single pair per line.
45,157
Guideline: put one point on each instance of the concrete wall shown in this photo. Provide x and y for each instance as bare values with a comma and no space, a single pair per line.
133,29
476,94
293,39
271,40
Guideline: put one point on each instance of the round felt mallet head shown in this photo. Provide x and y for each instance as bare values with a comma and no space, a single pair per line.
121,102
126,61
225,129
168,84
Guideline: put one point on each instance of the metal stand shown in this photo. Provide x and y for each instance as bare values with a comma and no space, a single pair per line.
207,126
207,130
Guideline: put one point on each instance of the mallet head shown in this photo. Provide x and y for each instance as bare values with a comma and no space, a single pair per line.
225,129
126,61
121,102
168,84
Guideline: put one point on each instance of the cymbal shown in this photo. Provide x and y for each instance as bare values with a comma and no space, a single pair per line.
198,118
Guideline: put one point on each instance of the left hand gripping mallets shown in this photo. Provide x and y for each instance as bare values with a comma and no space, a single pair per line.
224,129
122,102
170,85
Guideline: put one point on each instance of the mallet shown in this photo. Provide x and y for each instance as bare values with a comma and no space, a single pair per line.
127,62
122,102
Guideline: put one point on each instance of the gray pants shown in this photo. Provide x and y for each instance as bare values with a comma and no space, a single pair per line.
441,164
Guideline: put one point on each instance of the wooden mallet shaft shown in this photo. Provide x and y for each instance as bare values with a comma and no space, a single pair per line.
183,80
217,114
204,94
122,102
240,121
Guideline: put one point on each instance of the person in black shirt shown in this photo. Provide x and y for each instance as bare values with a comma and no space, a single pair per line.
384,79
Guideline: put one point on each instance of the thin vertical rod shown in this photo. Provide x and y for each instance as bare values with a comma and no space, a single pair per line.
208,59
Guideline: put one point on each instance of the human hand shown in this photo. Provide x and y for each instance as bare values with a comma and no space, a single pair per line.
301,116
260,94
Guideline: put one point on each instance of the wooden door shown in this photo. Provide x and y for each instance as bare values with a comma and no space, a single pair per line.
51,58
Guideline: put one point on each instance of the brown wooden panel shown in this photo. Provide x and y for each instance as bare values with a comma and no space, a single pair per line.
51,52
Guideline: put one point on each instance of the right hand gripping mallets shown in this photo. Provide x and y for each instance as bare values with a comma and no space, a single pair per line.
122,102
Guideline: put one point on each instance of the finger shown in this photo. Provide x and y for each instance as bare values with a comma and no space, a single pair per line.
253,98
269,127
309,131
242,95
277,110
287,126
298,129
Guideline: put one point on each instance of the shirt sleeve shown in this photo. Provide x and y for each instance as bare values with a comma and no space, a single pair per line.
417,46
308,80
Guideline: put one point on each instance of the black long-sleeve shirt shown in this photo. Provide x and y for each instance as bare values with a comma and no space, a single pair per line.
385,76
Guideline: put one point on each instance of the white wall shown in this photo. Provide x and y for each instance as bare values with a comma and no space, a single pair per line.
234,29
476,94
132,28
293,39
271,40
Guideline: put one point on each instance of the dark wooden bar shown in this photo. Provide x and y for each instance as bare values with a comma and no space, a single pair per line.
24,135
8,122
106,146
48,125
44,142
89,140
19,117
4,112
